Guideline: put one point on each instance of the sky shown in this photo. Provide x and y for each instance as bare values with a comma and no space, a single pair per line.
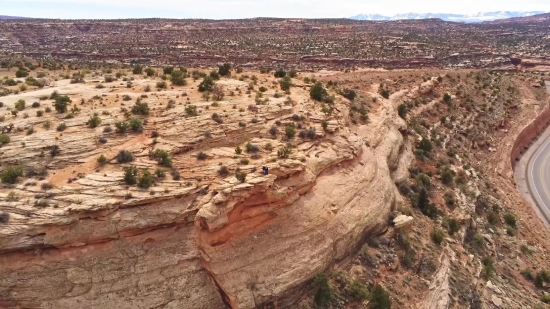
228,9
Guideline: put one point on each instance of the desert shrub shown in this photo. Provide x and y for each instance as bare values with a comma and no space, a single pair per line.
61,102
94,121
280,73
130,175
292,73
206,84
146,180
447,177
241,176
453,226
224,69
242,124
284,152
510,231
447,98
35,104
273,131
510,219
191,110
349,94
359,291
308,133
252,148
175,174
488,268
102,159
437,236
154,134
39,113
492,217
10,174
285,83
136,125
160,172
163,157
161,85
54,150
178,78
124,156
137,69
140,108
109,79
4,217
262,89
4,139
21,73
425,145
20,105
379,298
121,126
61,127
202,156
223,171
103,140
324,294
107,129
290,131
244,161
527,274
318,92
385,93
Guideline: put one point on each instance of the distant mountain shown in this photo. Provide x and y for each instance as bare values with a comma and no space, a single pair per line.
12,17
473,18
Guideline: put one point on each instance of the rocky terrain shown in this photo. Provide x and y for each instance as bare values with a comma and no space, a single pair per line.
303,44
126,189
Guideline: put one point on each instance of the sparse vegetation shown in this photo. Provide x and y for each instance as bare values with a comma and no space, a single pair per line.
124,156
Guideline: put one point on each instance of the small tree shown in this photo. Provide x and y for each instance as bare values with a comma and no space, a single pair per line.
146,180
20,105
94,121
349,94
285,83
290,131
241,176
130,175
324,294
61,102
168,70
10,174
224,69
163,157
206,84
124,156
149,71
102,159
280,73
178,78
137,69
379,298
140,108
136,125
318,92
217,92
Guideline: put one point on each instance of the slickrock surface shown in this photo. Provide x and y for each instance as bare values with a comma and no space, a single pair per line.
203,240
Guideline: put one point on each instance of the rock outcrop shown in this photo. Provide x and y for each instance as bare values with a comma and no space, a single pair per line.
202,241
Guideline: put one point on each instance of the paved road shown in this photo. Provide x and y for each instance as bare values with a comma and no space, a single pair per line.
538,175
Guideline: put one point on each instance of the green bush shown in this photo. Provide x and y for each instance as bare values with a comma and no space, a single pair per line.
324,294
178,78
280,73
492,217
130,175
238,150
349,94
206,85
137,69
136,125
241,176
454,226
146,180
290,131
4,139
224,69
121,126
527,274
61,102
21,73
102,159
163,157
160,172
318,92
223,171
437,236
10,174
359,291
94,121
20,105
285,83
488,268
149,71
140,108
510,219
284,152
379,298
191,110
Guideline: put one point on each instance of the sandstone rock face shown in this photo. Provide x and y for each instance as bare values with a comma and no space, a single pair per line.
203,241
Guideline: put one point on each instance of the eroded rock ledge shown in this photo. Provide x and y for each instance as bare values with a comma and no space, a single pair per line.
208,243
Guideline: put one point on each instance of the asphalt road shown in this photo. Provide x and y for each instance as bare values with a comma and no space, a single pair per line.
538,175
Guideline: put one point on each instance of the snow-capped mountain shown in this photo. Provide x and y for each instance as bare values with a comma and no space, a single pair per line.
478,17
